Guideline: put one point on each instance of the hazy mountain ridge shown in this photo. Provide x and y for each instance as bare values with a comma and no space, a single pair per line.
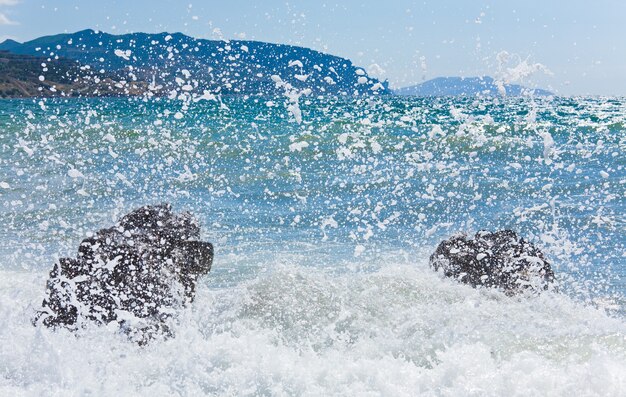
468,86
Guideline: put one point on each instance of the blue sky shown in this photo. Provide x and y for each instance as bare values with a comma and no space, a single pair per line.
572,47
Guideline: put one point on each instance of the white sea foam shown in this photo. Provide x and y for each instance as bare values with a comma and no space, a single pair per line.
299,330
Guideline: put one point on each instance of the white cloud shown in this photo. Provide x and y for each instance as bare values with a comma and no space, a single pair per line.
4,20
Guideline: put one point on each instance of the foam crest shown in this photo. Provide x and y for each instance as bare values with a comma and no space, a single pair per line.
297,330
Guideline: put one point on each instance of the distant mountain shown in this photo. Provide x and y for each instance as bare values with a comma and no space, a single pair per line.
468,86
170,63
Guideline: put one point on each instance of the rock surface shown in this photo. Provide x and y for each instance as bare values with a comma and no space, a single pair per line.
501,260
136,273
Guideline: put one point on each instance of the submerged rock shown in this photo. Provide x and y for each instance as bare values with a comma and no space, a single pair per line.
136,273
501,260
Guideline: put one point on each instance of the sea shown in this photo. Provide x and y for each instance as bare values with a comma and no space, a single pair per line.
323,212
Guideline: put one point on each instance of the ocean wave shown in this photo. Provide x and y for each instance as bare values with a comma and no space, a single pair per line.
295,330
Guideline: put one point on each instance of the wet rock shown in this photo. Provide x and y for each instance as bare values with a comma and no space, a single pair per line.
137,273
501,260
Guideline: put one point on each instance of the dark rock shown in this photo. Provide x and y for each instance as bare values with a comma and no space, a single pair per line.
501,260
136,273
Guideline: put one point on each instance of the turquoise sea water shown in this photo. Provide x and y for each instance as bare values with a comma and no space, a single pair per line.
323,229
